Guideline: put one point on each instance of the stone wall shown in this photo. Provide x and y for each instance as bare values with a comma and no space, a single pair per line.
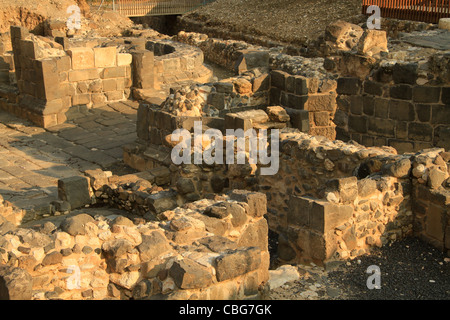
6,63
299,93
329,200
210,249
53,76
51,80
404,115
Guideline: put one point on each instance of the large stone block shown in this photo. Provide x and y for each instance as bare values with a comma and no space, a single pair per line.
82,58
74,190
143,66
426,94
124,59
15,283
256,201
299,119
114,72
278,79
237,262
105,57
401,110
440,114
348,86
321,102
435,222
152,246
299,210
326,216
420,131
83,75
188,274
381,127
405,73
251,59
401,91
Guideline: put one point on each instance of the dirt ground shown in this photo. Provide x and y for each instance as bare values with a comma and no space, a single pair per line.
410,269
32,14
283,20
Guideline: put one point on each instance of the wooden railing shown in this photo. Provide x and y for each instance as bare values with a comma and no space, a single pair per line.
417,10
136,8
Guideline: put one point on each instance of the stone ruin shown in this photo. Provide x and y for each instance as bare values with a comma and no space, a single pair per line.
363,160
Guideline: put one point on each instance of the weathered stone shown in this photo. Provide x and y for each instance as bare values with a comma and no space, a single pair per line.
399,169
76,225
82,58
326,216
436,177
218,243
117,248
52,258
256,201
152,246
277,114
123,221
185,185
220,210
237,262
251,59
15,283
367,187
189,274
105,57
161,201
143,289
255,235
372,42
74,190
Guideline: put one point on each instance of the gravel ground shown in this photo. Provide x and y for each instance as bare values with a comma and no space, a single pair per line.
410,270
283,20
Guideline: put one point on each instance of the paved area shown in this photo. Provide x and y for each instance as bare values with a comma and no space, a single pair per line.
436,39
32,159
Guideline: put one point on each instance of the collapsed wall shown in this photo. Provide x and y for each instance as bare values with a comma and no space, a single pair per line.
209,249
329,200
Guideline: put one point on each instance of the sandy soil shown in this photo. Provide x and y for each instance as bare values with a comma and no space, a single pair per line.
282,20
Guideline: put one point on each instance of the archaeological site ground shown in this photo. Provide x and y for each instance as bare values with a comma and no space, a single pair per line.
224,150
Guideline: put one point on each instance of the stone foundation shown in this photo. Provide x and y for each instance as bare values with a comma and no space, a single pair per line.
210,249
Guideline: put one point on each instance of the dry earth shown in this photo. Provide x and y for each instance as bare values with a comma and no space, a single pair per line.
31,14
283,20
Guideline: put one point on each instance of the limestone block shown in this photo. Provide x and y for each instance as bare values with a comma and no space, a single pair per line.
372,42
326,216
124,59
237,262
444,23
114,72
189,274
114,95
83,75
82,58
81,99
105,57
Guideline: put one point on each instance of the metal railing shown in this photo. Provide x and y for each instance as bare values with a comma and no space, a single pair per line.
417,10
137,8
